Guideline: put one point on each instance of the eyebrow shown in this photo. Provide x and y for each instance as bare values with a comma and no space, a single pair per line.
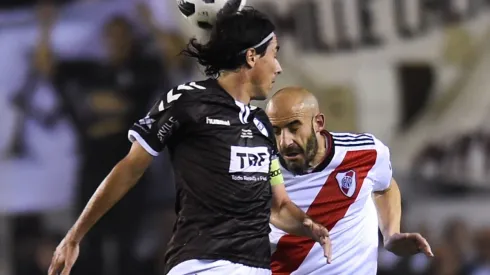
292,123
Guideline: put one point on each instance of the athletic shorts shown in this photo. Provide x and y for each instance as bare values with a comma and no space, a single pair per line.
210,267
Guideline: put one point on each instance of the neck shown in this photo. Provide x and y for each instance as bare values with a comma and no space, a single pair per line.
322,150
236,85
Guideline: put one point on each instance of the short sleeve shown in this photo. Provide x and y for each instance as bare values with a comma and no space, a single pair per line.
382,170
163,121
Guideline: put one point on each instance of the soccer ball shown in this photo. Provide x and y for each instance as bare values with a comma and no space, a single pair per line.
202,13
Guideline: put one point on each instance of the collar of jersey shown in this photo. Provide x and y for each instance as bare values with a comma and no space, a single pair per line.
328,155
237,103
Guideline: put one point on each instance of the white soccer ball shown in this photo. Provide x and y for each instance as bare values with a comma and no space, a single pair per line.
202,13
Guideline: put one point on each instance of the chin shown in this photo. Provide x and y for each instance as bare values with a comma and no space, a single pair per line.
259,97
297,170
296,167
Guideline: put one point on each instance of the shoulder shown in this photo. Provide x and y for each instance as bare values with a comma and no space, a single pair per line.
261,117
183,94
260,114
353,139
360,141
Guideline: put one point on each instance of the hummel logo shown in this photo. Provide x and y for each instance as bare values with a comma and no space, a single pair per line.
246,133
217,121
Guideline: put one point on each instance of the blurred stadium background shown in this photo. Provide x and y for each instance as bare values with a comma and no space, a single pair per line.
74,75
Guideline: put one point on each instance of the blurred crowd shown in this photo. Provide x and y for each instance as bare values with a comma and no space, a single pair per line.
98,97
73,113
456,163
459,249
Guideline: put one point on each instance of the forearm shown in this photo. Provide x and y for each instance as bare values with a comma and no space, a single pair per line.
289,218
119,181
388,204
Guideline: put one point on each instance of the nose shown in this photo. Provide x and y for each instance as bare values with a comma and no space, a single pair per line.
278,67
285,139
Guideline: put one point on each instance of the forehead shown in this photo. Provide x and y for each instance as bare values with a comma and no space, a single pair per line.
273,44
281,112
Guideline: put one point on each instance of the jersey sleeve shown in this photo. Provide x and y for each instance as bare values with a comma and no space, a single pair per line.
382,169
163,121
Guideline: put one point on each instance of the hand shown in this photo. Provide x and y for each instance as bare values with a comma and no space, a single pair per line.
407,244
321,235
64,258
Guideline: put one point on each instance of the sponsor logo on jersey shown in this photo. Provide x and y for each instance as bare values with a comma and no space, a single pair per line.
347,182
215,121
248,178
249,159
246,133
166,129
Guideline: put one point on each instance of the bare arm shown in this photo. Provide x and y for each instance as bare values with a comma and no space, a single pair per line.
388,204
285,215
120,180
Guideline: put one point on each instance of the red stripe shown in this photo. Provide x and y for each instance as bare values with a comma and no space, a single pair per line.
329,206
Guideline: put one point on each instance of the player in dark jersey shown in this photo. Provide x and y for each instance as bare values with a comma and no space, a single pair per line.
223,150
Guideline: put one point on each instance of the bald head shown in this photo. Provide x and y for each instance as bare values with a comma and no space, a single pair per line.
298,126
292,102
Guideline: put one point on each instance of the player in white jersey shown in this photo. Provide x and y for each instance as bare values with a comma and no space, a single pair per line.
332,177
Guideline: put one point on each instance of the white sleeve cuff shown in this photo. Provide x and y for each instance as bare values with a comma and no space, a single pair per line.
135,136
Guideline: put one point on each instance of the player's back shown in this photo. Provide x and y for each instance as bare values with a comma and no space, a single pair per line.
338,194
221,157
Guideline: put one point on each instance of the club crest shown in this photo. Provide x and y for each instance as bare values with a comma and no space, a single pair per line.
261,127
347,182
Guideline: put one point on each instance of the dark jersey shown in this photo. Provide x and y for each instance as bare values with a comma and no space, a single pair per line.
221,152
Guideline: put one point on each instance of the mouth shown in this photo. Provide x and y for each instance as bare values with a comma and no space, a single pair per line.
292,156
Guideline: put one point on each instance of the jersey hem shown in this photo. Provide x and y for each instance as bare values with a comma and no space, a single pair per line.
231,258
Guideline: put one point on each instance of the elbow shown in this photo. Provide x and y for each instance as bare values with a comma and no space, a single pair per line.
278,205
275,218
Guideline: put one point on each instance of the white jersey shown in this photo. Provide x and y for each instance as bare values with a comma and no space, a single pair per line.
337,194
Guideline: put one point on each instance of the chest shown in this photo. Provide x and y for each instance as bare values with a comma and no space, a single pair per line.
230,137
330,195
231,125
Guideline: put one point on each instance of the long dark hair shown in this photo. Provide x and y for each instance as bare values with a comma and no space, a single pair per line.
231,34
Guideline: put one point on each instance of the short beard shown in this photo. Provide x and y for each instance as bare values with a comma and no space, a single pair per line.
310,153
